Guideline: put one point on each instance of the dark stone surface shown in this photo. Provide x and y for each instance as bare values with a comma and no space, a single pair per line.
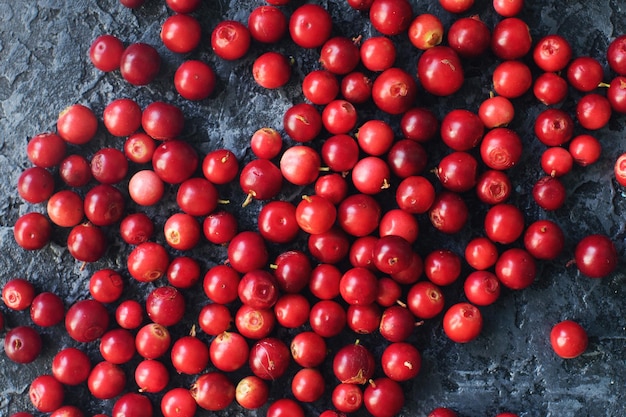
44,68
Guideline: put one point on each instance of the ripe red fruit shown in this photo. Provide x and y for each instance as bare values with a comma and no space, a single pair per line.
308,385
383,397
132,404
46,150
162,121
189,355
22,344
181,33
511,39
46,393
568,339
596,256
516,268
47,309
105,52
122,117
140,64
462,322
394,91
616,55
544,239
440,71
71,366
391,17
271,70
77,124
106,380
18,294
469,36
152,341
512,79
267,24
310,25
552,53
251,392
269,358
178,402
195,80
425,31
230,39
378,53
354,364
86,320
401,361
148,262
165,305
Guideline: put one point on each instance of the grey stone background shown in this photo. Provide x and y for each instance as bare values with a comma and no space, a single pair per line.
510,367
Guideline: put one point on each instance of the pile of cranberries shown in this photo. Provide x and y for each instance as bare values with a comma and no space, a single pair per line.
345,187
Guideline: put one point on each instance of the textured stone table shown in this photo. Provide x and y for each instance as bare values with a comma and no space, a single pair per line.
44,68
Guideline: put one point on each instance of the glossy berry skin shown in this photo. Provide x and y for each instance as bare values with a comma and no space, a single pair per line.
469,36
596,256
462,322
550,88
106,380
440,71
181,33
585,73
132,404
425,31
544,239
178,402
391,17
401,361
512,78
511,39
47,309
140,64
378,53
195,80
271,70
482,288
32,231
585,149
105,52
568,339
86,242
122,117
593,111
77,124
339,55
616,55
22,344
109,166
383,397
267,24
516,268
310,26
46,393
461,130
162,121
552,53
46,150
442,412
394,91
448,212
230,40
18,294
86,320
504,223
269,358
